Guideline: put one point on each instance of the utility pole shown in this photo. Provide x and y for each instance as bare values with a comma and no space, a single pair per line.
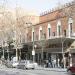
63,57
16,44
33,51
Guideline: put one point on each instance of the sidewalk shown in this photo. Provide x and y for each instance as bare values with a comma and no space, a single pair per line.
39,68
2,66
56,69
51,69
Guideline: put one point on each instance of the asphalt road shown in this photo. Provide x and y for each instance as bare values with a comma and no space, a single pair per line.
29,72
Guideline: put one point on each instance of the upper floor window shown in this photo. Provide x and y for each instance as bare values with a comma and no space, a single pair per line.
58,28
49,30
40,32
70,26
32,34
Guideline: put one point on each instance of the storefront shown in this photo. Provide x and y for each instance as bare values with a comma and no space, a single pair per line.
53,51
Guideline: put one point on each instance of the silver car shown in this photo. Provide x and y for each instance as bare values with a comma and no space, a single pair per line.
26,64
29,64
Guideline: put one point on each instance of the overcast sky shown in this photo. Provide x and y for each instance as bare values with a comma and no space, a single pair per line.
37,5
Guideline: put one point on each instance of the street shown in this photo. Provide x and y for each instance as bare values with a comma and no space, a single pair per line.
30,72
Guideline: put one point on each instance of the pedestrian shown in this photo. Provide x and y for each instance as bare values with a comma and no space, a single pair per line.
46,63
49,62
54,63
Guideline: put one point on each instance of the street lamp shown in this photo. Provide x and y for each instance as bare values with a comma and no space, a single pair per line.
3,49
33,51
43,44
63,57
70,59
15,44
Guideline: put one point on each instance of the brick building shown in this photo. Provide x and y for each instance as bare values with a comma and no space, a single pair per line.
53,36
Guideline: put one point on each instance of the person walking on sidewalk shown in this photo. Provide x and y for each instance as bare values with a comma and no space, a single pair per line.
54,63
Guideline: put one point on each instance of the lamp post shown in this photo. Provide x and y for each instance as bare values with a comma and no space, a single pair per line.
63,57
70,59
3,49
16,47
15,44
43,44
62,53
20,46
33,51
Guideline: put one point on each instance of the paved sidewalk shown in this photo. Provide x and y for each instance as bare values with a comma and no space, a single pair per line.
38,68
2,66
51,69
56,69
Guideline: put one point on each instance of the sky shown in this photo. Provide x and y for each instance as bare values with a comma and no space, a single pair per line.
38,5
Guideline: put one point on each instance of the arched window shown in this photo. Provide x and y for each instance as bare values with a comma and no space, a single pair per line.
59,28
32,34
70,26
49,31
40,32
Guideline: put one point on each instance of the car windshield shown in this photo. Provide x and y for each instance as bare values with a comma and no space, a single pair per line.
29,61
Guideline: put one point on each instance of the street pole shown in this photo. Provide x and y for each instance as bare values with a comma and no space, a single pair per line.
63,57
3,49
3,53
7,51
8,55
15,43
33,52
16,54
43,43
70,61
42,54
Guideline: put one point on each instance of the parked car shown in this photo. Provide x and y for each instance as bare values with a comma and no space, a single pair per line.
26,64
14,62
71,70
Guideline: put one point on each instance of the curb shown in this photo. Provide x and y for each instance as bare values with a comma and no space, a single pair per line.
46,69
53,69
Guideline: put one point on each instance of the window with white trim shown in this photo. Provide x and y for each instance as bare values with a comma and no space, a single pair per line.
40,32
32,34
49,30
70,27
59,28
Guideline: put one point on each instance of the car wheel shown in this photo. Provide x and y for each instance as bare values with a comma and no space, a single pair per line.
69,72
26,68
33,68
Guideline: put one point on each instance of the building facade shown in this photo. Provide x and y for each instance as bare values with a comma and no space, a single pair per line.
53,37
